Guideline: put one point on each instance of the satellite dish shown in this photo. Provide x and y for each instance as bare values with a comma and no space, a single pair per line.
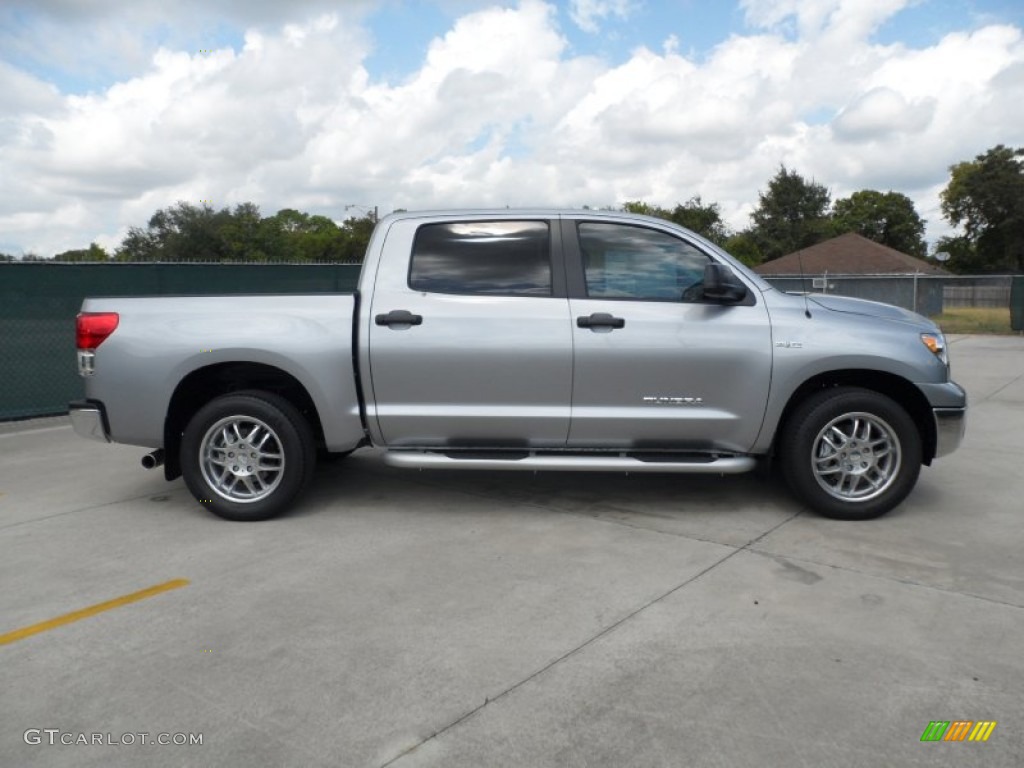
942,256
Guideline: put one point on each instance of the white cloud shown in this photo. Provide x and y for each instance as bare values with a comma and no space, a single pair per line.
588,14
502,112
24,93
811,18
879,113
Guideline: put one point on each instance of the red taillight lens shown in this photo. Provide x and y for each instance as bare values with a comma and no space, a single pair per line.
92,328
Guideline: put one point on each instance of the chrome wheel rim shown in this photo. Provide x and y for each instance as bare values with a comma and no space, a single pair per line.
856,457
242,459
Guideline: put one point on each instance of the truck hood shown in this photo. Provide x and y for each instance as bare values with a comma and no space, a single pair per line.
869,308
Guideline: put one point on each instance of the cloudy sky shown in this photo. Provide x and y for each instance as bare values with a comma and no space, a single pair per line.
112,109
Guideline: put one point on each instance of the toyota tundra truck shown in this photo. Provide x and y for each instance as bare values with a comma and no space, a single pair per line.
525,340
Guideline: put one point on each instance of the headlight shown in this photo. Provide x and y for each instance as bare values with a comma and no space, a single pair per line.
936,344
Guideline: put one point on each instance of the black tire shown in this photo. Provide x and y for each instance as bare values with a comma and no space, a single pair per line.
281,464
865,465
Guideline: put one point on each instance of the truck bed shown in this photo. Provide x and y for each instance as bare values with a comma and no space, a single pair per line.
163,343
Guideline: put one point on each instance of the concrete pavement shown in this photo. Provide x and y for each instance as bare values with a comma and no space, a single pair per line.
402,618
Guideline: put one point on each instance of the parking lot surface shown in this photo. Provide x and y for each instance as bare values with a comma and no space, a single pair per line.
461,619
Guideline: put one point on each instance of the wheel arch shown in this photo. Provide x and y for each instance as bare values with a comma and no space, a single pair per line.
899,389
204,384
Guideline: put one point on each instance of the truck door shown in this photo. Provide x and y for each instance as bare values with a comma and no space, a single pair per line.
656,366
470,341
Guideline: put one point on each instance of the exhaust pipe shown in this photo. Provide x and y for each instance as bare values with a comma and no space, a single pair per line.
154,459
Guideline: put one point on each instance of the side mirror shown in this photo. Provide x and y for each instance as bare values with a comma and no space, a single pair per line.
722,285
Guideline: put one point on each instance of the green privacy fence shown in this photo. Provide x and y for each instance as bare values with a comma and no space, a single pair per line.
39,301
1017,303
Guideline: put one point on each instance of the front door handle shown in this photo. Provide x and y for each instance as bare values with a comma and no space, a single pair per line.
600,320
399,317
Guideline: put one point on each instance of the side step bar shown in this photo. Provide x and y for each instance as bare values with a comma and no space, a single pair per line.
725,465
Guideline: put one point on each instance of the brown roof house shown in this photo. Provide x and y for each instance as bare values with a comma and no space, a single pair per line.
853,265
849,254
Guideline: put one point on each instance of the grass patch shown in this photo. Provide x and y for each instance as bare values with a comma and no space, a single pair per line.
974,320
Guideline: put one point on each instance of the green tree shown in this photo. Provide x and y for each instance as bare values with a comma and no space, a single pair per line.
357,233
241,236
986,197
182,232
792,214
304,237
743,247
964,258
888,218
703,218
323,240
138,245
186,232
284,233
93,253
643,209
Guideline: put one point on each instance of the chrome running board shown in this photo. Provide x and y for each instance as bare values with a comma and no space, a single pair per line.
724,465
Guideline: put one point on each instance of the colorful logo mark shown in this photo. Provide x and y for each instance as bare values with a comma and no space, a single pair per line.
958,730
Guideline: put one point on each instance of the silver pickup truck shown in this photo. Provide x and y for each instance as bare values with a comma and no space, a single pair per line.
561,340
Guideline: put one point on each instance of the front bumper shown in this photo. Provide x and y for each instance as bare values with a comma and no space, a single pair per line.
950,425
949,409
89,419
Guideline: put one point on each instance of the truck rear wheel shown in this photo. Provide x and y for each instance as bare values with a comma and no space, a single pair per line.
247,455
851,453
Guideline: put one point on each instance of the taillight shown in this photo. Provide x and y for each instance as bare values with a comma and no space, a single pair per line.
92,328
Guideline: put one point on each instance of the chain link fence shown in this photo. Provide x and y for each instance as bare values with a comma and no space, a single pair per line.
39,301
927,294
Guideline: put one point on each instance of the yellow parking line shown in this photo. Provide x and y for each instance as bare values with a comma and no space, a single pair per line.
92,610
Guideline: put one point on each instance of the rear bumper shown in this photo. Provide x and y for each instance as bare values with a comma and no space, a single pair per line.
89,419
950,425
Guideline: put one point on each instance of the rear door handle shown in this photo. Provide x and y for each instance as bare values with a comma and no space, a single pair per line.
600,320
399,317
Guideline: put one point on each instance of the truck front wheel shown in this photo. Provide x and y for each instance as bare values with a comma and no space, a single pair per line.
247,455
851,453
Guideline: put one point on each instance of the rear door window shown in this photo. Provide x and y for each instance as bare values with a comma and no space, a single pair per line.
491,258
